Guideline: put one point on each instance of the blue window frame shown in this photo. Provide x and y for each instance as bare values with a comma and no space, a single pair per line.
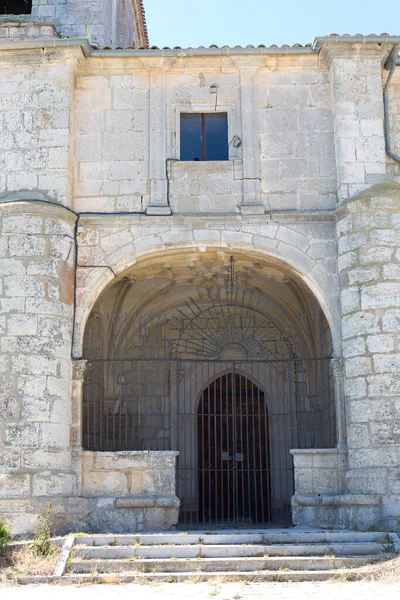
204,136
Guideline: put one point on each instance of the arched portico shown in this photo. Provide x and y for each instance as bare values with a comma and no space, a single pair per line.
93,281
173,326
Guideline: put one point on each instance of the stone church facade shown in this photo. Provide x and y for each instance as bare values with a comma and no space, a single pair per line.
184,230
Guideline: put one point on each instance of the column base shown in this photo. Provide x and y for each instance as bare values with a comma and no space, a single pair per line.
342,511
252,209
162,210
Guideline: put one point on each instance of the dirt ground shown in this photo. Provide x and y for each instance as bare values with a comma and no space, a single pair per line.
203,591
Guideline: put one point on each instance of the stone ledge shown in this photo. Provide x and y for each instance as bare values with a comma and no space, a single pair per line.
346,500
32,203
148,502
17,31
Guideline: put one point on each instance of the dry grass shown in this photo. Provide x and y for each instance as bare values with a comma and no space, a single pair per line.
20,561
385,572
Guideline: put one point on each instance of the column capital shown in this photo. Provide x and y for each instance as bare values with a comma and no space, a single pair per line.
353,52
78,368
248,65
338,367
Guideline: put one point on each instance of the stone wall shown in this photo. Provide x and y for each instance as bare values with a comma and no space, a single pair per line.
26,31
393,167
130,122
35,115
111,143
36,298
319,472
369,250
320,498
130,491
99,20
101,134
356,78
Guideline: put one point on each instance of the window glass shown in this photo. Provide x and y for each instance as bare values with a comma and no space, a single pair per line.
191,139
216,136
15,7
204,136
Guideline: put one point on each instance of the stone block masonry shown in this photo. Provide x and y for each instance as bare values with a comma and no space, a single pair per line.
35,117
130,491
37,291
104,22
369,246
99,133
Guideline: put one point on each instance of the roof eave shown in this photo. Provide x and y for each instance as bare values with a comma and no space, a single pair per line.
140,18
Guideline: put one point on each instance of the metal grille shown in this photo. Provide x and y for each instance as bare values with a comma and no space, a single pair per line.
233,386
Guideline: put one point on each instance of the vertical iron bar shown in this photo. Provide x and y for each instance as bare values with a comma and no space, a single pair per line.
242,449
235,496
261,449
254,445
209,474
222,447
268,448
215,417
248,457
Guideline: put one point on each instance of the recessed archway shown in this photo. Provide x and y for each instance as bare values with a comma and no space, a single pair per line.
233,442
171,328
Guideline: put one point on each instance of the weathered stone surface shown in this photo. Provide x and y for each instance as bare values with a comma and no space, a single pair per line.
311,134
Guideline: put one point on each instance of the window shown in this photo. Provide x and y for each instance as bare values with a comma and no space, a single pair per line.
15,7
204,136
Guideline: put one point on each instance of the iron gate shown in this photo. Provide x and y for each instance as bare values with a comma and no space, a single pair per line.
233,388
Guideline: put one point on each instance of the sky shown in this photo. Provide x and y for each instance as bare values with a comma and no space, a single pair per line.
241,22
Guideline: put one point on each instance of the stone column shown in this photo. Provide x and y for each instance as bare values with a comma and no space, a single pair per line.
78,375
37,303
340,407
158,149
252,204
368,229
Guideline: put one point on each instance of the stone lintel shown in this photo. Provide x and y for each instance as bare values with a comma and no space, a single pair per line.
315,451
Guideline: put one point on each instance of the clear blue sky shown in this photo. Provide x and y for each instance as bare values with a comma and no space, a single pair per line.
203,22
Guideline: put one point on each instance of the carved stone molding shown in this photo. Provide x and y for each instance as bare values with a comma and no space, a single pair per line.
79,368
338,367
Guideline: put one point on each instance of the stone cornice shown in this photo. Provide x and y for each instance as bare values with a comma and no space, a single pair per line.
376,191
56,43
27,203
112,219
321,42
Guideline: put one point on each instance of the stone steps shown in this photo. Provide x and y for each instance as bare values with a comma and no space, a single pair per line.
229,565
268,536
275,555
226,551
194,576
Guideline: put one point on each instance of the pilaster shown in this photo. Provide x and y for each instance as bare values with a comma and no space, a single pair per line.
357,95
252,204
159,204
